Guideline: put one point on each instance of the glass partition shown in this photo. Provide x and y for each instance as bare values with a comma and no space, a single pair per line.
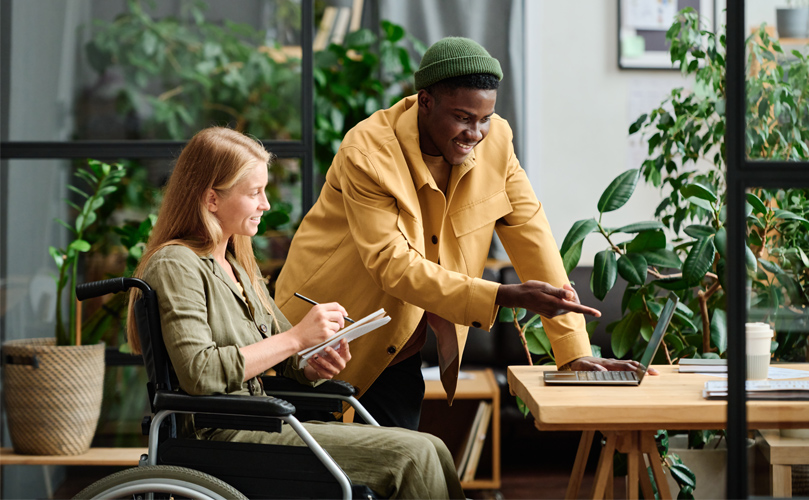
136,70
776,332
772,177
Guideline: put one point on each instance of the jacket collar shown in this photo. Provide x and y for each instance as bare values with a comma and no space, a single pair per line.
407,133
241,274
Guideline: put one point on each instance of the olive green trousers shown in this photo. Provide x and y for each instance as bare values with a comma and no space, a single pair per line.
394,462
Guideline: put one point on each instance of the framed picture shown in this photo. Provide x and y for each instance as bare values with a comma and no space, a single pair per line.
642,27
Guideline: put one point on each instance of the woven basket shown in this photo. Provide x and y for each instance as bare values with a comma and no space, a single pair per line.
52,395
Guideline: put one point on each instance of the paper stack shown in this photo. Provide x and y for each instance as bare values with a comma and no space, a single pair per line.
761,389
707,365
351,332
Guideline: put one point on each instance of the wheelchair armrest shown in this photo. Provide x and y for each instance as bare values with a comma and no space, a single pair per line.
276,384
223,404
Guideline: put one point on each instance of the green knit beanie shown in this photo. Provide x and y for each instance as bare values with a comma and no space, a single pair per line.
455,56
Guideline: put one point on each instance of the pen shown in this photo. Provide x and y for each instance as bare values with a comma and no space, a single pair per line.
315,303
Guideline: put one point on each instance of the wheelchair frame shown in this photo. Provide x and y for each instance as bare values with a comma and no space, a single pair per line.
224,411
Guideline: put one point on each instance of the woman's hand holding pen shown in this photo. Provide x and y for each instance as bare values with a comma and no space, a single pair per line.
320,323
328,364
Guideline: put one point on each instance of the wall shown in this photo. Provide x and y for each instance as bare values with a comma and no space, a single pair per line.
578,110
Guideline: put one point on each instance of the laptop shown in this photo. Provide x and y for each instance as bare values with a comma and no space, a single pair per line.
621,378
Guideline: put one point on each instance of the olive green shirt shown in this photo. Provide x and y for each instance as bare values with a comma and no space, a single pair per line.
205,320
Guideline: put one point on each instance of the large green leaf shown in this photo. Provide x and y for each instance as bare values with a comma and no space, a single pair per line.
537,339
633,268
570,259
605,273
624,334
578,233
787,215
683,475
699,231
638,227
79,245
721,241
771,267
647,240
662,257
719,330
571,246
619,191
506,314
697,190
685,319
672,283
699,260
756,203
750,259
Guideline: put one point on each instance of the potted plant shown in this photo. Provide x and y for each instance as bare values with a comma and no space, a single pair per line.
793,21
53,386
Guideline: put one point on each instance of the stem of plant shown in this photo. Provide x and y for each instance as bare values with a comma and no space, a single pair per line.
522,336
703,308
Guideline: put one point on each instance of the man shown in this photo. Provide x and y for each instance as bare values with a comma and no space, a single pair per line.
405,221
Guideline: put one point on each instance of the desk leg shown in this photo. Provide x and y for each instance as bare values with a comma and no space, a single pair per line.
632,464
604,470
645,482
649,447
781,480
577,476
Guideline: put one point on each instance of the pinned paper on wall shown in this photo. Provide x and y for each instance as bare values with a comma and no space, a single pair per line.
642,27
645,94
650,14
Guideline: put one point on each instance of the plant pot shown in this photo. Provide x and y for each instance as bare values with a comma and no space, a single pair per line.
52,395
709,465
792,23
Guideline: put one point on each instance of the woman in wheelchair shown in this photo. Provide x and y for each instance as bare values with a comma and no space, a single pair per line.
222,330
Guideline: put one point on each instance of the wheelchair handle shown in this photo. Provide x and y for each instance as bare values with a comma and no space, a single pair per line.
114,285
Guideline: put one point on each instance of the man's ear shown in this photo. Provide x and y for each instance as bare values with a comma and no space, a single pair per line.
211,201
426,101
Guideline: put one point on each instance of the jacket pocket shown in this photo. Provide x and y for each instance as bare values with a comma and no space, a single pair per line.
412,230
481,214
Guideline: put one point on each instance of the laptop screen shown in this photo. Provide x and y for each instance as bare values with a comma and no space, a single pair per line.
657,335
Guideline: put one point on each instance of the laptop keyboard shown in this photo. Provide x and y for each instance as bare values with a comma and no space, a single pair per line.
606,376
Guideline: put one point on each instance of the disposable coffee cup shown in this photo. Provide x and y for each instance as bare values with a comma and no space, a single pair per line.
759,338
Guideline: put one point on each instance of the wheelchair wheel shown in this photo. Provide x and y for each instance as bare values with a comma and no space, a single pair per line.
163,481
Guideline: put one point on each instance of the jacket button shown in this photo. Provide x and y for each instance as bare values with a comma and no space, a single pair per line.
476,324
435,240
263,328
391,350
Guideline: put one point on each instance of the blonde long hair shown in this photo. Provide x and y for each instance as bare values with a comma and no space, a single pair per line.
215,158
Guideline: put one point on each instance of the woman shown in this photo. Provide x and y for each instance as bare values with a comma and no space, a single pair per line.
222,330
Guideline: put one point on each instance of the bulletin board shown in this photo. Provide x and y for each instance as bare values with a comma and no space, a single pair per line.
642,27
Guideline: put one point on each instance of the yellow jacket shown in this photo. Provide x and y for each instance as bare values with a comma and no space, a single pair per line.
363,244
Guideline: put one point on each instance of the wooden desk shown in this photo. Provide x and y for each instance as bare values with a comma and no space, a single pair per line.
451,423
629,417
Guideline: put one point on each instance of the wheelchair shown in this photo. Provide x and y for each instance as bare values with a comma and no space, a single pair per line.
190,468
